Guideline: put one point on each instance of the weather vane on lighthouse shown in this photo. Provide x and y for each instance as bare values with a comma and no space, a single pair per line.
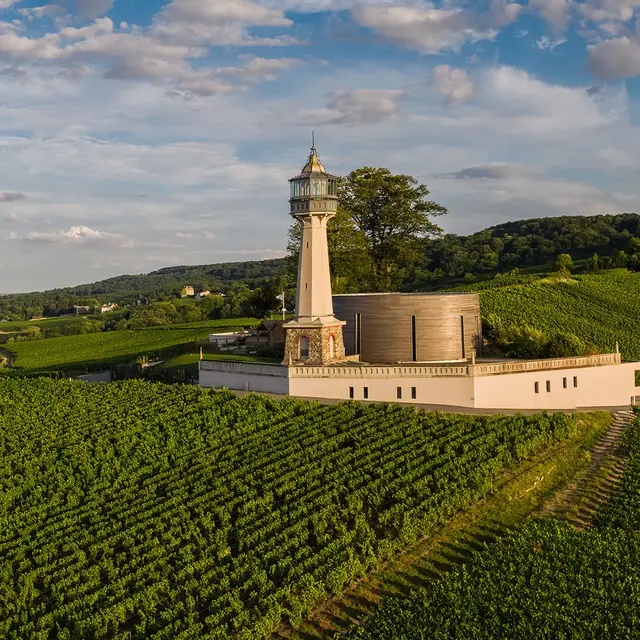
314,336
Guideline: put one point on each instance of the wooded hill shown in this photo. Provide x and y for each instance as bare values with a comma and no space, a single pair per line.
526,244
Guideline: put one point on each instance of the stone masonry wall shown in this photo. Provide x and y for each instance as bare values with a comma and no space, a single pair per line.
319,349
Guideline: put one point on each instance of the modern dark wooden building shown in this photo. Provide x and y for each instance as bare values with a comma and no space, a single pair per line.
411,327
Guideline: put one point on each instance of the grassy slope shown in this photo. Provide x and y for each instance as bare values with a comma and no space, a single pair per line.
95,348
600,309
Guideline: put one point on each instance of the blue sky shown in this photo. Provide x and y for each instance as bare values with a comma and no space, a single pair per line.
141,134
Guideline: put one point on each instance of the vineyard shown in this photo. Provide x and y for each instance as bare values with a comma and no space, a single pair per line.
150,511
547,581
592,312
100,349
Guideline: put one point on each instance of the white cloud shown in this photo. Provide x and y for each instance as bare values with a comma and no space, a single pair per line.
257,69
360,106
545,43
454,84
208,235
617,58
7,4
80,235
605,11
223,22
434,30
555,12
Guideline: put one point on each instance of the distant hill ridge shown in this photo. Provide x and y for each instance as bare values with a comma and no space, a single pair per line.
523,243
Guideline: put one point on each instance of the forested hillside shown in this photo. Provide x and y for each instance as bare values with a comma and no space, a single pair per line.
528,244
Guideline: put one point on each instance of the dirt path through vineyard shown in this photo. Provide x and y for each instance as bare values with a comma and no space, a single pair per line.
524,491
577,502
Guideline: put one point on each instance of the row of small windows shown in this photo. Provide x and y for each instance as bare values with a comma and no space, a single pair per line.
565,384
305,188
365,393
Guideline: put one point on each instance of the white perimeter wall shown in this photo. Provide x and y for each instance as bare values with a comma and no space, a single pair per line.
244,382
605,386
598,386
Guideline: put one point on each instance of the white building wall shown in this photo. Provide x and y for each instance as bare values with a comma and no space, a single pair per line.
244,382
604,386
453,391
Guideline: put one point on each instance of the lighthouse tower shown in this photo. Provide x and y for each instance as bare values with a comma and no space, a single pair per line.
314,337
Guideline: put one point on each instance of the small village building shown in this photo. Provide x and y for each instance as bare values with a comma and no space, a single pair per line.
187,292
271,333
106,308
202,294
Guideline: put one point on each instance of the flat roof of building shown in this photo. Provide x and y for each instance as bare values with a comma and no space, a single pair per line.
412,293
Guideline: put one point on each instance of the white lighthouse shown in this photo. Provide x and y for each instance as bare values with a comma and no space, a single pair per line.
315,335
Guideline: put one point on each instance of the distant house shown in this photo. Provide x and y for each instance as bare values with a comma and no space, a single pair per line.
105,308
81,309
271,333
202,294
37,317
187,292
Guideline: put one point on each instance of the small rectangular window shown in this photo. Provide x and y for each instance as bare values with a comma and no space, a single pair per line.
575,381
564,383
464,352
365,393
399,393
414,393
536,386
351,393
548,386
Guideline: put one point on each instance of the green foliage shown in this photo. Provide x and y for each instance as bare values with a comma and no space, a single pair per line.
392,212
547,581
593,263
588,314
175,511
564,263
162,285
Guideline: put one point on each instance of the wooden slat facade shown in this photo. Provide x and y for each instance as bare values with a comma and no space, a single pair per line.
386,326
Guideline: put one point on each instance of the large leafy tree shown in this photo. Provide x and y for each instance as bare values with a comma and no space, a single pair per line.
382,223
393,212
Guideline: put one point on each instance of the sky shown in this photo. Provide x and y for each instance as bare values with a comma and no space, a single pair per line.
137,134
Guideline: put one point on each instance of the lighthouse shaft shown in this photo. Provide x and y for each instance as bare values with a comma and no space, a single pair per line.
315,335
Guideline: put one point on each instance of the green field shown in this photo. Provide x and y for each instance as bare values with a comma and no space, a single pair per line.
47,323
137,510
547,581
588,313
97,350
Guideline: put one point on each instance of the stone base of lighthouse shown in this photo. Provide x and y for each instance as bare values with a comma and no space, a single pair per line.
324,341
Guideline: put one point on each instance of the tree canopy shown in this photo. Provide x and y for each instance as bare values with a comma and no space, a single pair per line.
382,222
